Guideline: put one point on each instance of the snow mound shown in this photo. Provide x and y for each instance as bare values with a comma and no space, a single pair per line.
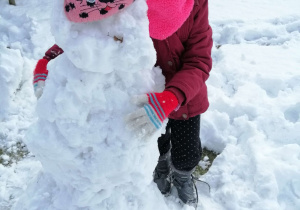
10,78
254,118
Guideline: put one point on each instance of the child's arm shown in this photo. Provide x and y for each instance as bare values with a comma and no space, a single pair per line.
184,85
40,72
196,59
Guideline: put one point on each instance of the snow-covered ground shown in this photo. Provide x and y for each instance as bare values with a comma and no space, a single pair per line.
254,90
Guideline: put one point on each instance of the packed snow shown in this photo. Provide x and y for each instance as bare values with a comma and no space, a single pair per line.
253,120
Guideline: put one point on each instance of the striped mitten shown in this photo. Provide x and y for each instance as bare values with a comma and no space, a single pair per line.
39,76
40,72
156,108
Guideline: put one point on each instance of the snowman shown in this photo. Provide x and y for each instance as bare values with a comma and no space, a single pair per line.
90,160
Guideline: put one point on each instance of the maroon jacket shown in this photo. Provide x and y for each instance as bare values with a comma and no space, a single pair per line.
185,60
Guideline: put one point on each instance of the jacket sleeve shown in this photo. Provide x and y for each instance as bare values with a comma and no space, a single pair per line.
196,59
53,52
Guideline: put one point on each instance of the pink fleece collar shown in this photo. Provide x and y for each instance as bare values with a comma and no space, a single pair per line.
167,16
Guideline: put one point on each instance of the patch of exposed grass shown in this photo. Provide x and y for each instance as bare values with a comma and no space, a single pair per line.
207,159
13,154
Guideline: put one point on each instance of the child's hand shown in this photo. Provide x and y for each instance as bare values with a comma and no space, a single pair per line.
39,76
155,109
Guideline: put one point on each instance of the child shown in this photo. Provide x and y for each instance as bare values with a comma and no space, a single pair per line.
182,38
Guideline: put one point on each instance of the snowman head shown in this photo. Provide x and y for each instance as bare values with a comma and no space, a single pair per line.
93,10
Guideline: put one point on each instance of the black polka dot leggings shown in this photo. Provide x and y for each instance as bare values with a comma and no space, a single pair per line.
183,137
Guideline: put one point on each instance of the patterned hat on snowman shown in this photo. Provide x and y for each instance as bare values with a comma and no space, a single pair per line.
93,10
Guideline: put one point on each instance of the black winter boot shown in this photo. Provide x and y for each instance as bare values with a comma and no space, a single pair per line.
161,174
186,188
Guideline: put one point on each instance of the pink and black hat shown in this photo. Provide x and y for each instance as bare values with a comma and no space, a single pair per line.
93,10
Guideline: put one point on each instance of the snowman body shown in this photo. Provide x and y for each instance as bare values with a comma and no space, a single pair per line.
89,159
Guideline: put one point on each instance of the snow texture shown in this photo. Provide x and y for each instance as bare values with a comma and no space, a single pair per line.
253,119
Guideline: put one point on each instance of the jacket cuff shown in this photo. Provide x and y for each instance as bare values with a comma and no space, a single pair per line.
178,93
53,52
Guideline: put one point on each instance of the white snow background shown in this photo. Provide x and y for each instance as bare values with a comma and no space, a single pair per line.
254,92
